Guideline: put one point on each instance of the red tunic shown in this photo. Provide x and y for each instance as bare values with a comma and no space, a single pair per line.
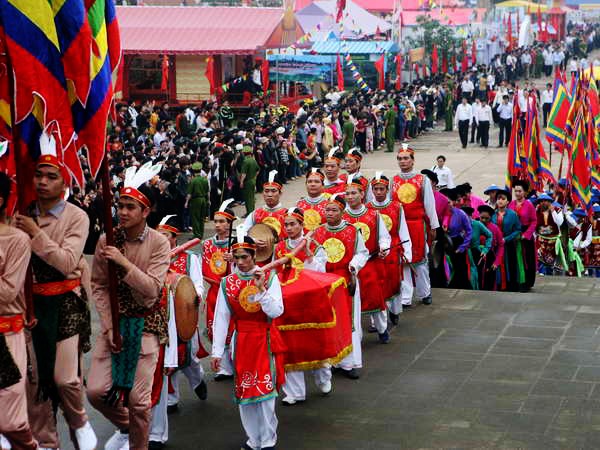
314,213
256,342
391,212
334,188
274,218
410,194
547,233
214,269
340,245
371,293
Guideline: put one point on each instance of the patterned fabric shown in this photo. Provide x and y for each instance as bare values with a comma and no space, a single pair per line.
409,192
275,218
340,245
314,213
9,372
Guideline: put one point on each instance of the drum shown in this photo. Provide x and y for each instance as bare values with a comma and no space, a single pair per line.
263,232
186,304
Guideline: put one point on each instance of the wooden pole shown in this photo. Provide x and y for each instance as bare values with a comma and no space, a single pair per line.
110,240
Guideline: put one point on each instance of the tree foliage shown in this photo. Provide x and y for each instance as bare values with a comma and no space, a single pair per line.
430,31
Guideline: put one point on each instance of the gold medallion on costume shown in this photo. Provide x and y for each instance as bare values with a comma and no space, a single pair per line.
335,250
387,220
364,230
407,193
217,264
312,219
326,195
247,299
273,223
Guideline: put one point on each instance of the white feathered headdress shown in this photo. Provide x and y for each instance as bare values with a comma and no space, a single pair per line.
271,180
223,207
134,178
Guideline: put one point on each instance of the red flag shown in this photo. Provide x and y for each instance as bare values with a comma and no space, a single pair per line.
444,63
210,73
539,22
434,59
464,67
546,34
454,65
379,67
264,69
164,83
398,71
509,32
341,5
474,53
340,74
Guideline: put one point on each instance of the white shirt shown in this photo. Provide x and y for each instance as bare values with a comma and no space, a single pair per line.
547,96
573,65
547,57
475,107
444,175
522,101
271,303
505,111
467,86
484,114
526,58
463,112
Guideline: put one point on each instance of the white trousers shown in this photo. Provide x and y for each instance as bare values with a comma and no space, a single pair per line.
260,424
295,384
194,373
354,359
226,366
421,287
159,427
380,321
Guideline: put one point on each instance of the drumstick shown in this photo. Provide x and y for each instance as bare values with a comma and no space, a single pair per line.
286,259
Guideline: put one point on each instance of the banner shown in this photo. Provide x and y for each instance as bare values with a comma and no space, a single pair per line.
416,54
297,70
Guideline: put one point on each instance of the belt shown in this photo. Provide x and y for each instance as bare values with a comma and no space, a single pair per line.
11,324
56,287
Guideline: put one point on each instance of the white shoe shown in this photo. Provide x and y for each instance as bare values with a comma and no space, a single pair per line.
289,400
4,444
118,441
86,438
325,387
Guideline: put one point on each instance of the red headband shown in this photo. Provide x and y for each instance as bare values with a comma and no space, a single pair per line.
136,195
296,216
356,157
52,161
225,214
318,174
337,202
243,246
333,158
273,184
375,181
168,228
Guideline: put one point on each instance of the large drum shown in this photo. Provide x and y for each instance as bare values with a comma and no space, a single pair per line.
264,232
316,325
185,299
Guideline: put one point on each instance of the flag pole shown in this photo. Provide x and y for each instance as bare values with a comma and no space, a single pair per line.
110,240
30,320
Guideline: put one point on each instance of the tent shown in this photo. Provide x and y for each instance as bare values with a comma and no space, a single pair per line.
358,22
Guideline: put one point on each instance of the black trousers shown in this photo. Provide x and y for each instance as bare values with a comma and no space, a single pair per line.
460,273
546,107
484,132
504,136
463,132
548,70
474,132
528,251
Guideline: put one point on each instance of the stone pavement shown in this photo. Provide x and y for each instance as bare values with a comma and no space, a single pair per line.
476,370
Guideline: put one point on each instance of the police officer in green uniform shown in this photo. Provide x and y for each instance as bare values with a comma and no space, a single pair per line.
390,127
197,200
249,172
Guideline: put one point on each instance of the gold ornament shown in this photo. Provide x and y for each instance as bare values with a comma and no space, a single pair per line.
407,193
388,221
326,195
312,219
335,250
273,223
247,299
217,264
364,230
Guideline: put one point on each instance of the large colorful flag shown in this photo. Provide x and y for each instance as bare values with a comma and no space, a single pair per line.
209,73
580,174
340,74
434,59
90,121
509,36
538,167
7,160
514,167
557,120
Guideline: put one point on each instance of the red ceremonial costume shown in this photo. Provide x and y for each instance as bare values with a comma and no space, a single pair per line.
409,193
272,217
314,212
339,245
257,341
390,212
334,188
372,296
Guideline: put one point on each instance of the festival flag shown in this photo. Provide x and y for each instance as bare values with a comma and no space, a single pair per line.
340,6
264,71
340,74
464,66
514,168
90,122
398,71
580,175
75,37
509,36
538,167
546,36
434,59
209,73
539,23
557,120
518,24
454,65
7,153
380,68
474,53
164,81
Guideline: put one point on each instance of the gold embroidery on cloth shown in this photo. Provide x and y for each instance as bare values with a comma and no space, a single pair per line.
407,193
247,299
335,250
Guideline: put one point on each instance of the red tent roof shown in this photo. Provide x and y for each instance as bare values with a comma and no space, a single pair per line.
387,6
196,30
448,16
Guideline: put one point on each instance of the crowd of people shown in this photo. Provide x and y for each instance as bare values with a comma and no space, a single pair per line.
171,171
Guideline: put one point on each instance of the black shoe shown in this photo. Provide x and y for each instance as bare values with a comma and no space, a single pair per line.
499,146
155,445
427,300
172,408
372,329
406,307
246,447
201,391
394,318
222,377
384,338
352,374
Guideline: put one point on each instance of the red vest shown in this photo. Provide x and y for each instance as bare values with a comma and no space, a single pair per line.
214,266
410,194
334,188
275,219
368,223
282,248
314,213
390,213
339,245
546,226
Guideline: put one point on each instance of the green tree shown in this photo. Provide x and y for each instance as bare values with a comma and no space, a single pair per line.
430,31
